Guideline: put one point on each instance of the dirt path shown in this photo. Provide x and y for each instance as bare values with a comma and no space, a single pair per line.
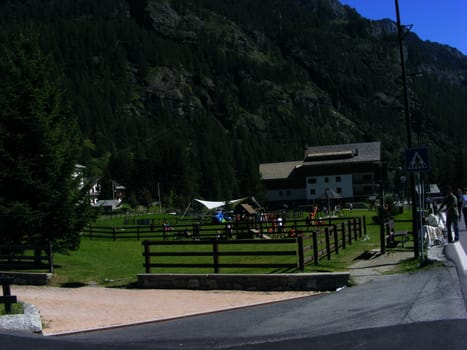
65,310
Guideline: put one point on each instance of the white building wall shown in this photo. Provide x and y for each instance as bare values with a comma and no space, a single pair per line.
341,184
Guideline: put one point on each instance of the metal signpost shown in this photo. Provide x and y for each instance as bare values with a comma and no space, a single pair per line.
417,161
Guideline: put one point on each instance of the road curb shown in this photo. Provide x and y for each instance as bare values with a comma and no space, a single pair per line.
456,253
29,321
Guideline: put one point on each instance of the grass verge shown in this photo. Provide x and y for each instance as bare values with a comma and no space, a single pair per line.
414,265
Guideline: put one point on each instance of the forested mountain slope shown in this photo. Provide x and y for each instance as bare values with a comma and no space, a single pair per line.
194,94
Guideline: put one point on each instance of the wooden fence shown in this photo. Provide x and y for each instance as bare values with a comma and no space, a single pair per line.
331,238
311,246
25,257
241,229
215,253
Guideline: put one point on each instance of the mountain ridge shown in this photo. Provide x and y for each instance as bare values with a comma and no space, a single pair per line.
193,95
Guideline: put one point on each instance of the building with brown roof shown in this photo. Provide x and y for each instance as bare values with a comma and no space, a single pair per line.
350,170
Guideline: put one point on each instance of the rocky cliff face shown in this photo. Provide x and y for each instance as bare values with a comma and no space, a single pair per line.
345,68
166,21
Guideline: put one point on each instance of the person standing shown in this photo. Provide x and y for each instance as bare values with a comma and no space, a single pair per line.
452,214
464,206
165,228
459,202
280,225
196,231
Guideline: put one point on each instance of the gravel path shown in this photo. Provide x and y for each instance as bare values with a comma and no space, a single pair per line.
66,310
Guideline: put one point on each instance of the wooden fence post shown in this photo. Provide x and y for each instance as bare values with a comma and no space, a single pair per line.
355,231
349,224
301,256
328,243
8,299
215,255
50,258
364,226
147,257
343,235
315,248
336,239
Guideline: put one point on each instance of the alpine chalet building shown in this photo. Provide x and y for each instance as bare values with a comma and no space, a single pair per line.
347,171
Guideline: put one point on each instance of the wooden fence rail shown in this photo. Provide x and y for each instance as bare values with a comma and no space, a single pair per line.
235,229
215,253
26,257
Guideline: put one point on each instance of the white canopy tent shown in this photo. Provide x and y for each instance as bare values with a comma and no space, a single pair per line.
214,205
211,205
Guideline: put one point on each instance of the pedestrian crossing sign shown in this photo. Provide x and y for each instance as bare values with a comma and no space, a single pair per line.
417,159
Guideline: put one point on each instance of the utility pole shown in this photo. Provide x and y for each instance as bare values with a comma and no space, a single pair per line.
408,126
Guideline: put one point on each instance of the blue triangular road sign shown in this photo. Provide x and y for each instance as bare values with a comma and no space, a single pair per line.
417,160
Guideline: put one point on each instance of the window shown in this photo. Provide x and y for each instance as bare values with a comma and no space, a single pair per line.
326,179
338,179
339,190
312,191
280,193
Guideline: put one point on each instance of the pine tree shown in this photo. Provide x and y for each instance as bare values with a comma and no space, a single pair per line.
41,200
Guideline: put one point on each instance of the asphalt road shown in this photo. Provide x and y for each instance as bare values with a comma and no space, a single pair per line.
422,310
388,301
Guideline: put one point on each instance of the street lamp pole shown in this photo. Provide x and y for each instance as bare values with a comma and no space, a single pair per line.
408,121
408,128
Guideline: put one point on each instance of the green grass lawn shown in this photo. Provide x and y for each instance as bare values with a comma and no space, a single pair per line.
116,263
102,262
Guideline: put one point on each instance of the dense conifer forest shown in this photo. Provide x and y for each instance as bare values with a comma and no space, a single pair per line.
190,96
